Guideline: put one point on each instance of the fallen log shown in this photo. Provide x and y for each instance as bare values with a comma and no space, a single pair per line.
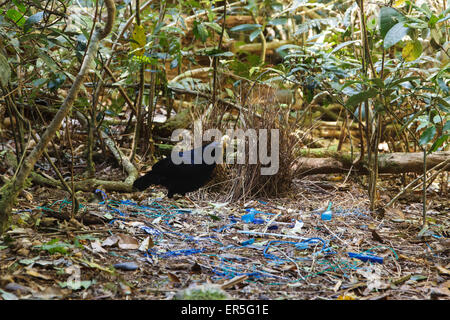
392,163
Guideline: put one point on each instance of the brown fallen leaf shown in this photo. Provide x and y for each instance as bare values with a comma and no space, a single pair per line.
128,242
396,213
97,247
173,277
35,274
442,270
376,236
110,241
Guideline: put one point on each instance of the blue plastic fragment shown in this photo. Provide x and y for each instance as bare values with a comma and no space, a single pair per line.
127,266
249,217
258,221
365,257
327,214
248,242
252,210
302,246
272,227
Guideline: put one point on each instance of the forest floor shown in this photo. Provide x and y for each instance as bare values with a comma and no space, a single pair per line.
144,246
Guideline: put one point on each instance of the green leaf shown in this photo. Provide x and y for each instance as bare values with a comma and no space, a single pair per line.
443,19
389,17
254,35
395,34
360,97
246,27
215,26
378,82
343,44
16,16
216,53
48,60
412,50
278,21
396,82
34,19
446,127
433,20
5,71
438,143
427,135
200,32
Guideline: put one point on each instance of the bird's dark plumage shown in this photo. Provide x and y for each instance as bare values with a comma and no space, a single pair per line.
180,178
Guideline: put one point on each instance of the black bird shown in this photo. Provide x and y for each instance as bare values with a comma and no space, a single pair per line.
184,177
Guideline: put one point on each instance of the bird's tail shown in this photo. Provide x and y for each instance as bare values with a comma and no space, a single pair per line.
146,181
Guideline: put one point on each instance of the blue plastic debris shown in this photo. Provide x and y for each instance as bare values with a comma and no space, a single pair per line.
127,266
249,217
248,242
327,214
365,257
258,221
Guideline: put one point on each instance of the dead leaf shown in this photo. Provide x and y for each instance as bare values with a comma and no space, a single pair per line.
34,273
146,244
173,277
337,285
396,212
97,247
110,241
376,236
128,242
442,270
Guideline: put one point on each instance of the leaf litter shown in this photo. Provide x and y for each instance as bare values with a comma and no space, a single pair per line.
323,244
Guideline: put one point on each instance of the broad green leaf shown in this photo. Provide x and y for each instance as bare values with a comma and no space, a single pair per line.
439,142
215,53
215,26
5,71
433,20
427,135
389,17
254,35
360,97
378,82
396,82
395,34
34,19
246,27
22,8
412,50
200,31
16,16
